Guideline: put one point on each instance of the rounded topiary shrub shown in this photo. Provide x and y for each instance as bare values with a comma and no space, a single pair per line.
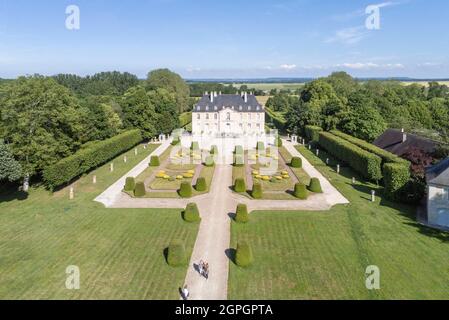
239,185
194,146
201,184
175,141
239,160
154,162
296,162
214,150
209,161
300,191
243,255
176,255
238,150
186,190
256,193
315,185
139,189
130,184
241,214
191,213
278,142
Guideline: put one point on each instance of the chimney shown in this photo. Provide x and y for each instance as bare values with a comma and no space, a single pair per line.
215,93
219,93
246,97
211,97
206,93
404,137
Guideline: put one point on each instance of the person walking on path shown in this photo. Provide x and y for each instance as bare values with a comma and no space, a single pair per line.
185,293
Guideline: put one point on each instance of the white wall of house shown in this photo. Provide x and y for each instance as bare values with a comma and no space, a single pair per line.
229,121
438,205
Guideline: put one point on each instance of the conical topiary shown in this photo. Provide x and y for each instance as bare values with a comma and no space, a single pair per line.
241,215
191,213
315,185
130,184
300,191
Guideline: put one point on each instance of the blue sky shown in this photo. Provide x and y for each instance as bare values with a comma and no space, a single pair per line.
232,38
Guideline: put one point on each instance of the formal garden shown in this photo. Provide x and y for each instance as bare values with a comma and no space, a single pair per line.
177,173
271,174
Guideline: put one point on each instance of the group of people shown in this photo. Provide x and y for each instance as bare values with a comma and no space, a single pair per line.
204,269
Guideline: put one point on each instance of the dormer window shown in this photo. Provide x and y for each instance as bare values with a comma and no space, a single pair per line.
207,108
258,108
240,108
249,108
215,108
198,108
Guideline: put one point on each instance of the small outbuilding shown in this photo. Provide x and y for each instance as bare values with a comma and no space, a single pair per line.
437,178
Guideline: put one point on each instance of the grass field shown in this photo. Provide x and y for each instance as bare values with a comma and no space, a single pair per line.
269,86
120,252
323,255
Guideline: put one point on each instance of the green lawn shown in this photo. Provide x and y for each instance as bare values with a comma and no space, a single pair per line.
323,255
119,251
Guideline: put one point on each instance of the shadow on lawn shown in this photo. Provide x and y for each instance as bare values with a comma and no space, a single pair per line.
7,196
230,253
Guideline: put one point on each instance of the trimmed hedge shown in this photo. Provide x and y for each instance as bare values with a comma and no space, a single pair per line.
296,162
185,190
396,171
155,162
201,184
239,160
365,163
238,150
257,192
241,214
385,155
130,184
194,146
176,254
272,116
209,161
313,133
243,255
191,213
300,191
278,142
139,190
396,178
260,146
315,185
214,150
89,158
240,185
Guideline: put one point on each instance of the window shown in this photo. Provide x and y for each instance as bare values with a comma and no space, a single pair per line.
249,108
198,108
198,116
240,108
228,116
215,108
446,194
207,108
215,116
207,116
258,116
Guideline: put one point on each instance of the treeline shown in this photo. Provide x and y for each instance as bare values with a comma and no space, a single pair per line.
197,89
366,109
46,119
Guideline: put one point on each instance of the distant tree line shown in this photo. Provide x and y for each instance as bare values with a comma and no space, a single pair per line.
197,89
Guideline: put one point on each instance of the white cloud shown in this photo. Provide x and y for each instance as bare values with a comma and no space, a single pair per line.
348,35
288,66
370,65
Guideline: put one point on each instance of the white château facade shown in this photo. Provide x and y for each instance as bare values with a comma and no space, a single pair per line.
228,115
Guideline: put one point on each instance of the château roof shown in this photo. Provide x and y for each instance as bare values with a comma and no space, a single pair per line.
236,102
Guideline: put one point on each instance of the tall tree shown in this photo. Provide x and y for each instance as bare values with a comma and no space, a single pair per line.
139,112
166,79
40,122
10,169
